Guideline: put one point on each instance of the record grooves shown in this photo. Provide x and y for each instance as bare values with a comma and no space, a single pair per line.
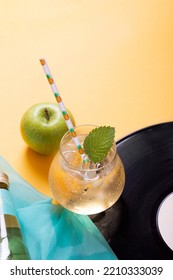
147,156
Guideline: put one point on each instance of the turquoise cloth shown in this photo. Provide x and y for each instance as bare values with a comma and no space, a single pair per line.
50,231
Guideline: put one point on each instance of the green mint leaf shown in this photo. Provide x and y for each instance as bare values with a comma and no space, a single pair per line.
98,143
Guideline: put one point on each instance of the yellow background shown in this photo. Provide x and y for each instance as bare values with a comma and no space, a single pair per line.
112,62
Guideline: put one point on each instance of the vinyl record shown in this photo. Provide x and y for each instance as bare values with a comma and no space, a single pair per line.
130,226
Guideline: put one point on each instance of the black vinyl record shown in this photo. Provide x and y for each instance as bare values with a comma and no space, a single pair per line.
130,226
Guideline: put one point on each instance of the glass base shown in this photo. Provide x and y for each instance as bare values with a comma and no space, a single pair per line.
108,221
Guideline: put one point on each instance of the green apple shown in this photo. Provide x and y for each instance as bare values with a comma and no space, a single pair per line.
42,127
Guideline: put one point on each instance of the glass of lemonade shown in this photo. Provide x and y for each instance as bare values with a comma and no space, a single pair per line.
85,188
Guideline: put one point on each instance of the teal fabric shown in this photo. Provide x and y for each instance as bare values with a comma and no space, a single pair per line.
50,231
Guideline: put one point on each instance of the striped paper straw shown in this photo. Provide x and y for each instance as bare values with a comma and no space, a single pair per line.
61,106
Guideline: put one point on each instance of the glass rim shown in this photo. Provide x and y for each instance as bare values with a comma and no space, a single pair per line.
67,134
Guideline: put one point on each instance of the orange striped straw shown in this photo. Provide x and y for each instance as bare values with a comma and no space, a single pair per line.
61,106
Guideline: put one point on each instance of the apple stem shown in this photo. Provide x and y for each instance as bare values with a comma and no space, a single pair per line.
47,114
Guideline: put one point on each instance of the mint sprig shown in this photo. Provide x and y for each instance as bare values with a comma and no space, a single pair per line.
98,143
